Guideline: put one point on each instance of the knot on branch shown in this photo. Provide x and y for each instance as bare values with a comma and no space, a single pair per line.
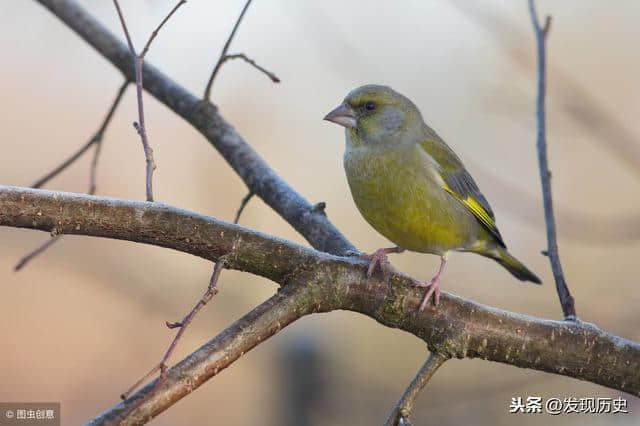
319,208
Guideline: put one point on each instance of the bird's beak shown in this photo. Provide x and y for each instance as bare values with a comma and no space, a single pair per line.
343,115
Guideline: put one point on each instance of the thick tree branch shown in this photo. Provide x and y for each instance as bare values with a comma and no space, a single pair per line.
212,290
257,175
457,328
566,300
288,305
401,413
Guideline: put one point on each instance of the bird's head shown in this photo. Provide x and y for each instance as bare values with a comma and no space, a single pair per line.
377,114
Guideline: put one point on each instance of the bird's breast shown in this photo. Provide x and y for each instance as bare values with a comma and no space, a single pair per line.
397,192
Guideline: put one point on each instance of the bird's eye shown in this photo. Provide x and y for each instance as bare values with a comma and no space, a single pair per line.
370,106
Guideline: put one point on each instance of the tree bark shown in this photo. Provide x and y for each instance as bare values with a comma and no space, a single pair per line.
457,328
311,223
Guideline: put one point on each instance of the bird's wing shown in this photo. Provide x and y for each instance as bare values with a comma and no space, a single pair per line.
459,183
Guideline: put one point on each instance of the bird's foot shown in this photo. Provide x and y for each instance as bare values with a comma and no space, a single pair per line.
433,288
379,257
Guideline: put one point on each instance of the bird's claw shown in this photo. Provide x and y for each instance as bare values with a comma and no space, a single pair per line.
378,257
433,288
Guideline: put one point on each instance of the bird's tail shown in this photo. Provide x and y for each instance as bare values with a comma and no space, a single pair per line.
513,265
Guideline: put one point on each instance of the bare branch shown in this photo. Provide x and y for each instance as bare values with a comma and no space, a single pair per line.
41,248
577,100
253,63
125,29
243,204
547,26
93,170
207,90
138,61
267,319
211,291
314,226
566,300
401,413
96,140
457,328
224,57
66,163
157,30
139,126
603,229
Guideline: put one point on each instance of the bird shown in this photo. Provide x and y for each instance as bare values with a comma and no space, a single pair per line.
412,188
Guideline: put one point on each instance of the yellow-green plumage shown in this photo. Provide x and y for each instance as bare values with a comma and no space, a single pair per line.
395,194
410,186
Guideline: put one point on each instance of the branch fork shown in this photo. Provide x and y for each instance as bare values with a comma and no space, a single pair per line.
224,57
138,61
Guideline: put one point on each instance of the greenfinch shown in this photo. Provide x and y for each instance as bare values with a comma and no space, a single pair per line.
412,188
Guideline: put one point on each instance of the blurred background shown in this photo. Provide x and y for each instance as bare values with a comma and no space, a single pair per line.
85,319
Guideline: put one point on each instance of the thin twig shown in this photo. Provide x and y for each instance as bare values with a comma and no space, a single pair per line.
566,300
66,163
212,290
26,259
243,204
157,30
162,366
224,57
96,140
578,103
138,63
253,63
267,319
603,127
124,27
94,167
259,177
207,91
401,413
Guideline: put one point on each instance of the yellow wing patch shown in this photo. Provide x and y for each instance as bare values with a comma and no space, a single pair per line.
478,211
